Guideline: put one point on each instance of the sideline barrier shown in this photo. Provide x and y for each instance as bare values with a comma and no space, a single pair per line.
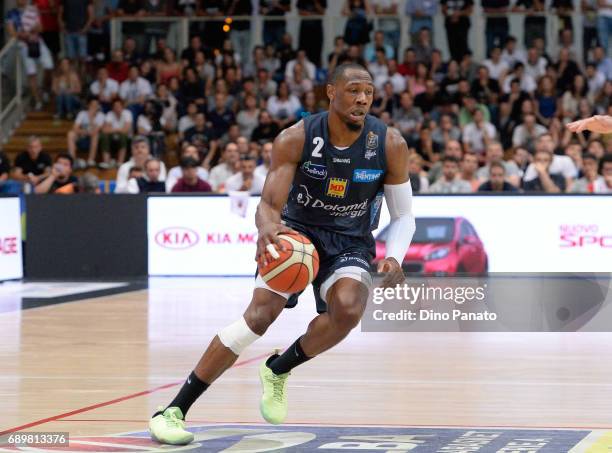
11,253
132,236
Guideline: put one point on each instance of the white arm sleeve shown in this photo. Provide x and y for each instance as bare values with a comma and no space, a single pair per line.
402,226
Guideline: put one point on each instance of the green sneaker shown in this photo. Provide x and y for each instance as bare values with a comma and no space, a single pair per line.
273,405
169,428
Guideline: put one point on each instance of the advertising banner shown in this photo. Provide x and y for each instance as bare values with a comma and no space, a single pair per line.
217,235
11,258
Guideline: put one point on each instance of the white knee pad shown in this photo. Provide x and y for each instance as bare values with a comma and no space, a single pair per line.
237,336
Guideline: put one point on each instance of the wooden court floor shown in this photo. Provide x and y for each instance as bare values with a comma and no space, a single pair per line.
101,366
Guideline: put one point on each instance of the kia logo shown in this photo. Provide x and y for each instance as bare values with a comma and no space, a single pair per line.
177,238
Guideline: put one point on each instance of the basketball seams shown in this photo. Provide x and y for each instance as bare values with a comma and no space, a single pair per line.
304,269
301,266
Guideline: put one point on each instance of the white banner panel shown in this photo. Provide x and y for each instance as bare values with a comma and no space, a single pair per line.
202,236
11,259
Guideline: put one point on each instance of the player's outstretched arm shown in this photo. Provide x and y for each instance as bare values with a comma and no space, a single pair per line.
599,123
398,193
286,155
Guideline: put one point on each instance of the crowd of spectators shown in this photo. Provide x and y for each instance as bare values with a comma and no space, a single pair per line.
496,125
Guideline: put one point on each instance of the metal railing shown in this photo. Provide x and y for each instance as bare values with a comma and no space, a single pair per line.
11,89
333,25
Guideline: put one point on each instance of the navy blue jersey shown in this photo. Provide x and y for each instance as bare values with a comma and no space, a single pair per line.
339,189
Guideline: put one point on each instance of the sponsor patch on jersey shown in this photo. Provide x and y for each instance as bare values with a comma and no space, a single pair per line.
341,160
315,171
366,175
336,187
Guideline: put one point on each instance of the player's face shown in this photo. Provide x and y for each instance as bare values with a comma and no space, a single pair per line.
352,97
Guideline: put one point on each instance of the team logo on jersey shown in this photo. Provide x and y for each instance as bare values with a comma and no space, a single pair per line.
336,187
366,175
371,145
315,171
343,160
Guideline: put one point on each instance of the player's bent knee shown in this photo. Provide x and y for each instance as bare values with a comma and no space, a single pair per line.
346,309
237,336
263,310
259,319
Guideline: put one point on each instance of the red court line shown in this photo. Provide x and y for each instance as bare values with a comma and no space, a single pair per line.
391,425
116,400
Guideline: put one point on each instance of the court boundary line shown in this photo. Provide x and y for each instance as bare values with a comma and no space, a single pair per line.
363,425
113,401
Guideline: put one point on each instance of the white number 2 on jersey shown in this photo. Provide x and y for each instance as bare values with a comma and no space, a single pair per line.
318,142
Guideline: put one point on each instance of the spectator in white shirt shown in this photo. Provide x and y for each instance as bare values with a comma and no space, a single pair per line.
595,80
478,133
115,134
176,173
525,134
535,66
85,132
397,80
134,91
511,55
283,106
140,154
528,84
152,180
379,70
266,155
563,165
450,181
310,70
495,153
496,66
246,180
227,168
105,89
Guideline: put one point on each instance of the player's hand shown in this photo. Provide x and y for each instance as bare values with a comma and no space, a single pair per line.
394,272
579,126
267,240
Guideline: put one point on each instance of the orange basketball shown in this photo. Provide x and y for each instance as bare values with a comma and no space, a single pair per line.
295,268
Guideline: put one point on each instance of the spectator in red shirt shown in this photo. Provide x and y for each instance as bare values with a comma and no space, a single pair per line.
118,68
190,182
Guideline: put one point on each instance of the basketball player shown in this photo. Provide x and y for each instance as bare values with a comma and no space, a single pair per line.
327,178
598,123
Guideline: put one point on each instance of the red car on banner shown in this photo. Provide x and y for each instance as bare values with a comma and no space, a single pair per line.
441,245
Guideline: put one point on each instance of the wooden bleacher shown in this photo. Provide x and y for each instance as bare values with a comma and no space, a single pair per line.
52,133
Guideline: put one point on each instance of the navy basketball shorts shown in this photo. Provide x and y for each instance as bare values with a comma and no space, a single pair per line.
340,256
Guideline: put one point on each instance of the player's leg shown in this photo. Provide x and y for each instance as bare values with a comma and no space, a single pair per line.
346,302
167,426
346,293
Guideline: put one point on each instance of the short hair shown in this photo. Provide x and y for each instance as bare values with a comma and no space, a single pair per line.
134,169
590,156
152,159
497,164
89,183
66,156
189,162
139,139
452,159
33,138
606,159
340,71
246,157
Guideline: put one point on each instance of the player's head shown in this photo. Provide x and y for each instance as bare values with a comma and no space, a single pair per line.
350,91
